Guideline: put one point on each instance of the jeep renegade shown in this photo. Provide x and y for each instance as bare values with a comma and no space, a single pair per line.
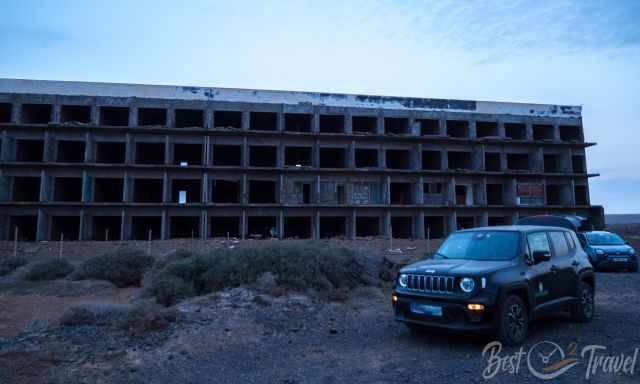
497,279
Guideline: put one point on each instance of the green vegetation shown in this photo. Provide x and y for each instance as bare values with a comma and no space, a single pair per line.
123,267
10,264
48,270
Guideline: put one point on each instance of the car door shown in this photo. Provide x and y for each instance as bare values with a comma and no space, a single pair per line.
565,281
540,274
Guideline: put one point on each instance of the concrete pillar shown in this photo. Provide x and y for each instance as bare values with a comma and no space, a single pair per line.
387,231
89,148
168,158
204,225
501,129
529,131
503,160
281,118
49,148
315,155
130,150
419,225
16,113
243,224
245,152
315,121
484,219
55,113
414,127
85,230
280,155
208,119
317,190
556,132
95,114
171,117
417,157
451,191
44,186
43,226
4,150
316,226
208,151
380,123
166,188
387,190
281,225
351,160
382,157
419,191
246,120
348,122
442,127
444,159
164,225
6,187
280,196
126,188
133,116
244,190
87,188
452,224
472,129
125,226
353,225
205,189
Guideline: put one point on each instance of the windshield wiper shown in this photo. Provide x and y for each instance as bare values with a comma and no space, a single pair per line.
441,255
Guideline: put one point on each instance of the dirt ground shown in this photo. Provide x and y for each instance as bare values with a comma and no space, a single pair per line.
242,335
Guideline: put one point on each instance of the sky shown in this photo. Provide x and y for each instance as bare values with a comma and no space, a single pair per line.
569,52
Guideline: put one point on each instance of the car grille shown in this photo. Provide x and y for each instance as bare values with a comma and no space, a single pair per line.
431,284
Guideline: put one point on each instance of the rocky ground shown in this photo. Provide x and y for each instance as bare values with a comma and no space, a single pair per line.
246,334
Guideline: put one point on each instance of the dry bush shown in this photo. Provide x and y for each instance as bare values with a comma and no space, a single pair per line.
123,267
48,270
10,264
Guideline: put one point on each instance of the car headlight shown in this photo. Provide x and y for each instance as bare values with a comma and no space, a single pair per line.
599,252
467,284
402,280
632,251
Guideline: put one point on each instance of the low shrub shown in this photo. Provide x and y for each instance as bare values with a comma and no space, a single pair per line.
10,264
123,267
135,318
296,266
48,270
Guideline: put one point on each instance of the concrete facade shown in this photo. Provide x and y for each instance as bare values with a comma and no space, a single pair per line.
119,161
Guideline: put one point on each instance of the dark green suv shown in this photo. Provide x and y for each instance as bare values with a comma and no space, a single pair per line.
497,279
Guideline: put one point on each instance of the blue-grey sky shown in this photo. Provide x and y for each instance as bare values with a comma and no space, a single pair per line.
561,51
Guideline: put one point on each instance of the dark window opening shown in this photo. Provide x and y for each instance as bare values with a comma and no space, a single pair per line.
401,193
27,227
553,195
185,227
5,114
367,226
297,122
187,118
263,121
106,228
552,163
434,227
462,195
331,227
458,128
70,151
497,220
114,116
150,153
518,161
227,119
72,114
494,194
366,158
69,226
570,133
431,160
262,227
331,123
401,228
225,191
30,150
262,192
187,154
185,191
263,156
227,155
398,159
577,162
429,127
396,125
225,227
110,152
297,227
152,116
542,132
433,194
67,189
297,156
465,222
142,226
332,158
459,160
487,129
108,190
306,193
26,189
364,124
580,192
147,190
492,162
36,113
515,131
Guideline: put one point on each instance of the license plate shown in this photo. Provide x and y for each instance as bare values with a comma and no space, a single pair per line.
620,259
424,309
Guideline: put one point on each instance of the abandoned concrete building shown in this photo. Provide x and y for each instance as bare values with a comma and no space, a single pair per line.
97,161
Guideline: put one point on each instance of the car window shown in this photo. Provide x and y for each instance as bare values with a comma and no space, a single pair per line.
572,244
560,247
538,242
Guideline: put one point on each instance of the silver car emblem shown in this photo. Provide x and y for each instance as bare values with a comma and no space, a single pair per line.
429,271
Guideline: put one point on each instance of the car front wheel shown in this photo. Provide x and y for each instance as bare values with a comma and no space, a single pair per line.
513,323
585,306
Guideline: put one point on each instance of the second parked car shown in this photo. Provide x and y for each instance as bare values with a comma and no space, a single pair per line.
609,251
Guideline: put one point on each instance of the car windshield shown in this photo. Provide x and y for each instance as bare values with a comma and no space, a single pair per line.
604,239
480,245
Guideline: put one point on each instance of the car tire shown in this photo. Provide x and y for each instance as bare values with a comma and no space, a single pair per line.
584,309
415,328
634,268
513,321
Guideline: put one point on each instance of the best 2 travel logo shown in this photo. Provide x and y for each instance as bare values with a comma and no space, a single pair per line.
547,360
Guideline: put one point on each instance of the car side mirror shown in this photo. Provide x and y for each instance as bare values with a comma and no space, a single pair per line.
540,256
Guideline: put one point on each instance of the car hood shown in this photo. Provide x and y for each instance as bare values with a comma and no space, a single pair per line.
613,249
456,267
